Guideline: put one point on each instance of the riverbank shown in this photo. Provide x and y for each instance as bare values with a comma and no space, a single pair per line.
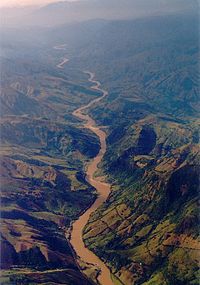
102,188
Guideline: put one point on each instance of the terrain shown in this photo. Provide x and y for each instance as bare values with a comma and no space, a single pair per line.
43,185
68,12
103,189
146,232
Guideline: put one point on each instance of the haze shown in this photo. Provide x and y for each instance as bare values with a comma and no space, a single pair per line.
14,3
63,12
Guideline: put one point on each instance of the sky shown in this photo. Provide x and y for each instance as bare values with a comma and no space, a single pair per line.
11,3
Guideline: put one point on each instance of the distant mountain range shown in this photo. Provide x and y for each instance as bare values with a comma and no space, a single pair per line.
62,12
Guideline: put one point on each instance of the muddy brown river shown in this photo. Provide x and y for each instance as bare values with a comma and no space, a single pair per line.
103,188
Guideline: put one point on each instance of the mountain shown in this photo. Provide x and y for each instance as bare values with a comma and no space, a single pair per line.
59,13
143,70
43,153
150,68
147,230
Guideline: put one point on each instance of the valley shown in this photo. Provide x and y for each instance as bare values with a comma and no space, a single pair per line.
103,190
43,184
100,146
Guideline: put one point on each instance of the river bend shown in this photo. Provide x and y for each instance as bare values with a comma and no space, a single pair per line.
103,188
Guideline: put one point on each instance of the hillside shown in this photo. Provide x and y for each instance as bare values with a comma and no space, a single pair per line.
147,231
43,185
151,218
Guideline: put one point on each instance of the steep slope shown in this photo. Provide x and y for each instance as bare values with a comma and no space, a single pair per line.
151,218
43,185
147,231
147,65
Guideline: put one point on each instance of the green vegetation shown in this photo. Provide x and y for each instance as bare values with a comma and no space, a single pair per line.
147,231
153,157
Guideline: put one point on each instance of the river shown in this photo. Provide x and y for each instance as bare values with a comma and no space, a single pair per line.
103,188
60,65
